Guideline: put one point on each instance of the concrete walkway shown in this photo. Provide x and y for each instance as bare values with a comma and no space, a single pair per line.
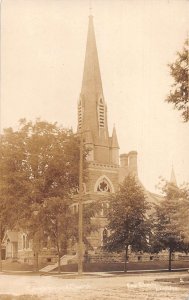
75,275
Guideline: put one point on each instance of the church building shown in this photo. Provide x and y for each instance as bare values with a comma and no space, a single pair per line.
106,168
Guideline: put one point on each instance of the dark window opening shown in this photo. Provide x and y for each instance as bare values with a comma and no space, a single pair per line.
105,236
103,187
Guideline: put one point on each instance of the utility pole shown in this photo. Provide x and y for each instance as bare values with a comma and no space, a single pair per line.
80,208
0,245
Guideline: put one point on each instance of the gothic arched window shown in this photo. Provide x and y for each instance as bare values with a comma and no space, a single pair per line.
27,242
103,186
24,242
104,236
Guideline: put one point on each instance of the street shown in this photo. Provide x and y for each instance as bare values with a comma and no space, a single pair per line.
96,286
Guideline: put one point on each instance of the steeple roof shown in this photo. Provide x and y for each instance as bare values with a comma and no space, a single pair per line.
173,177
92,109
114,139
91,76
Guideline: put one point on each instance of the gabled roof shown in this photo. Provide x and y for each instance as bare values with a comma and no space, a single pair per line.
11,235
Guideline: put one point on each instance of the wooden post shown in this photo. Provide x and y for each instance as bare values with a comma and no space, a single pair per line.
170,254
36,253
0,245
80,207
126,255
59,263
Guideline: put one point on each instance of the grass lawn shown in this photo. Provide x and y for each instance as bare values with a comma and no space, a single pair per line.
108,267
22,297
101,267
16,266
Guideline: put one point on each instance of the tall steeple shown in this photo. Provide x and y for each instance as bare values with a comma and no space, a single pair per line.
91,83
92,109
173,177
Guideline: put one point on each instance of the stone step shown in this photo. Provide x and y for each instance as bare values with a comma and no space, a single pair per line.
63,261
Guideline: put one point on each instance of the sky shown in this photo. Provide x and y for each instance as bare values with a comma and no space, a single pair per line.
42,58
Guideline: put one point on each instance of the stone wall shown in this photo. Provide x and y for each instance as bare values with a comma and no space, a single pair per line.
45,256
107,257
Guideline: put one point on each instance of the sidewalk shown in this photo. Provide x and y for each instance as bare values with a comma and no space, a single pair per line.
75,275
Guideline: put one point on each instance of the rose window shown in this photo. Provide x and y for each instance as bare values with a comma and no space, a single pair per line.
103,186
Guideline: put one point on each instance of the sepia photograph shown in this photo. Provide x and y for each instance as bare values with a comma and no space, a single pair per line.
94,149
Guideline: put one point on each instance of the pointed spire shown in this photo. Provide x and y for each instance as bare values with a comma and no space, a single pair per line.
173,177
91,83
114,139
92,110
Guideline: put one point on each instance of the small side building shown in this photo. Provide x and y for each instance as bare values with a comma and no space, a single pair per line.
10,244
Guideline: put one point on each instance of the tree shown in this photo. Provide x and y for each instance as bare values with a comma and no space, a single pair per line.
12,181
183,212
179,95
60,223
167,233
128,222
37,162
39,166
56,222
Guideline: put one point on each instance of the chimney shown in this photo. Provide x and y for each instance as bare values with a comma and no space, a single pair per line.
132,157
124,160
